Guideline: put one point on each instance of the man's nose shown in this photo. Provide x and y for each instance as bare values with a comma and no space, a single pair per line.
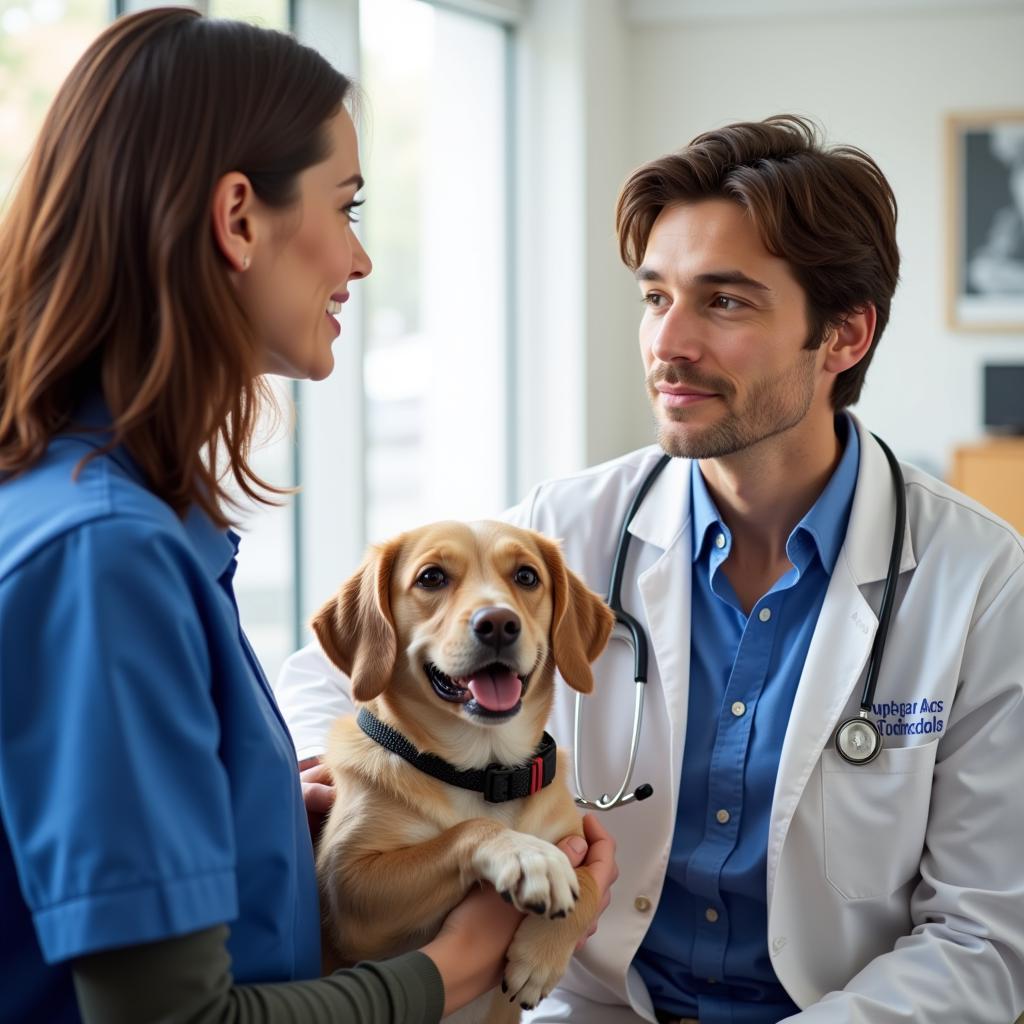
678,335
495,627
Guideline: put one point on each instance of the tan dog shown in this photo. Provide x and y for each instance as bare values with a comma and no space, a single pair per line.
451,635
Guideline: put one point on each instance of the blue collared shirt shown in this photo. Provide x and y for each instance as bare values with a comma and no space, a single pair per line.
148,784
706,953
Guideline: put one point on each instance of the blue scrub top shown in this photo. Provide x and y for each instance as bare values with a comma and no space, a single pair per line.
148,784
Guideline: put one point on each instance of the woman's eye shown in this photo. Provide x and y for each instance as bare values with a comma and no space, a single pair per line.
350,210
432,578
527,577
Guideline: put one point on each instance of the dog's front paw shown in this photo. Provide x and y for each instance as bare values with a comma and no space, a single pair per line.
529,872
537,958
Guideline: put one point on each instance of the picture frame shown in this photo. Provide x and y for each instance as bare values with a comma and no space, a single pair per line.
985,175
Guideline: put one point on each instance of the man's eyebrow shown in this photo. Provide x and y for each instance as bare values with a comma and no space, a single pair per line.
716,277
356,179
646,273
732,277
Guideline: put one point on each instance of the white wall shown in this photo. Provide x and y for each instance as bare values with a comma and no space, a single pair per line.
884,82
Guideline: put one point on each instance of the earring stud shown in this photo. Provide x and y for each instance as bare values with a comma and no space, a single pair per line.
245,262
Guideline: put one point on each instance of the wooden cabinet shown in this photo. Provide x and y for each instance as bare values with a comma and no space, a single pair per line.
992,472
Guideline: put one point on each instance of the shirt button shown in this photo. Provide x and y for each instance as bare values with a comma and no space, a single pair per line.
711,914
764,614
720,541
722,817
739,709
642,903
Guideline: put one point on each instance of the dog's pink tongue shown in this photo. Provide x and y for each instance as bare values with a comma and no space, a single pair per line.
495,691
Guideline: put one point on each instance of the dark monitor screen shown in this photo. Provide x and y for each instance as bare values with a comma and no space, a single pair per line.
1004,398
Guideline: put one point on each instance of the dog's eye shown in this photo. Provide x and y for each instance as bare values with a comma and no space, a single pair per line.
432,578
526,577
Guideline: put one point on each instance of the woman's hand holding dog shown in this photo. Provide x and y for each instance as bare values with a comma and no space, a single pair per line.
600,859
317,794
470,950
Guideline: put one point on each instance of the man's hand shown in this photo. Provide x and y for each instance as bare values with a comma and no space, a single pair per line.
318,796
597,853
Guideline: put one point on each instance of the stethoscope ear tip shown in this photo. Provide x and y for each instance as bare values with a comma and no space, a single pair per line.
644,791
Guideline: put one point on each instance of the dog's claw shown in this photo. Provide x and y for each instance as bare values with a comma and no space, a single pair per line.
537,908
526,1006
504,986
557,914
506,896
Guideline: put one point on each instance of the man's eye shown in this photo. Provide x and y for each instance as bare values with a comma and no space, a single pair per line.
654,300
726,302
432,578
527,577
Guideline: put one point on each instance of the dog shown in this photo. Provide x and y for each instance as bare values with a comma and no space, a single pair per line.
450,635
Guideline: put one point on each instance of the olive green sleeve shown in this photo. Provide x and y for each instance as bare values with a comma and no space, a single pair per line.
187,980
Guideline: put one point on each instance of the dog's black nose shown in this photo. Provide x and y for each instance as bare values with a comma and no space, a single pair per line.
495,627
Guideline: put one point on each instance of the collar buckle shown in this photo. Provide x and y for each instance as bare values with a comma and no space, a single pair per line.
497,780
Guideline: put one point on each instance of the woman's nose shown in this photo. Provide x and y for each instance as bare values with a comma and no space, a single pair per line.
361,262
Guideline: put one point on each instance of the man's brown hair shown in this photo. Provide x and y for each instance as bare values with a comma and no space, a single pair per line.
829,212
111,282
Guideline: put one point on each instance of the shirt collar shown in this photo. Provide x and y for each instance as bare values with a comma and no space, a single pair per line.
825,522
215,548
703,511
827,518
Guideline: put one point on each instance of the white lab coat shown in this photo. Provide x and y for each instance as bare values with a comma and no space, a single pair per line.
895,889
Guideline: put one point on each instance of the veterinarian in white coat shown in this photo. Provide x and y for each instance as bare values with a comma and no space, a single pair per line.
893,890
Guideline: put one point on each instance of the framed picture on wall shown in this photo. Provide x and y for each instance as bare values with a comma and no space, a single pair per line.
986,221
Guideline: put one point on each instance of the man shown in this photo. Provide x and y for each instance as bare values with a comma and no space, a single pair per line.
768,878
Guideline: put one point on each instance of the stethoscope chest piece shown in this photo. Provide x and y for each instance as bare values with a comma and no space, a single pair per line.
858,740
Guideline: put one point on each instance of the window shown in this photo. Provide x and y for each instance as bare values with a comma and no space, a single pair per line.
414,423
434,127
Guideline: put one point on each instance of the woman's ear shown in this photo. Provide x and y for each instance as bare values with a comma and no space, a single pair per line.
356,629
232,219
580,621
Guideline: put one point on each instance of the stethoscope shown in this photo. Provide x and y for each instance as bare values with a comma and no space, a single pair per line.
858,740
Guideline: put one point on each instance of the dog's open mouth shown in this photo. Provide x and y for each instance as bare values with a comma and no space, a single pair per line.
493,690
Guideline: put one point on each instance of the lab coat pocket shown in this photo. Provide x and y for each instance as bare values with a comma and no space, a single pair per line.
874,818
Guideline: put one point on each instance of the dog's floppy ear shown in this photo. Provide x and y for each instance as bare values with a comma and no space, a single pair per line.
580,621
356,629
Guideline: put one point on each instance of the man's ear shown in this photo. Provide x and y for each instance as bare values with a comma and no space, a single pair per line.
580,621
850,340
356,629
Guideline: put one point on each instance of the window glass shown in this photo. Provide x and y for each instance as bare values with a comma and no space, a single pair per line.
434,130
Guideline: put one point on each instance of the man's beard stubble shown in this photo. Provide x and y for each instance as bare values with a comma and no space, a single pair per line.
772,407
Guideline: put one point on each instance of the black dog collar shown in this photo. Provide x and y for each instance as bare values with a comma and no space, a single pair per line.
497,782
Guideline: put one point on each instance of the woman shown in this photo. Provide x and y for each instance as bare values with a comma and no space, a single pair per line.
184,226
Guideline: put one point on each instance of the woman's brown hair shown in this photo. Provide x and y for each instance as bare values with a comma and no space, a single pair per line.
111,283
829,213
